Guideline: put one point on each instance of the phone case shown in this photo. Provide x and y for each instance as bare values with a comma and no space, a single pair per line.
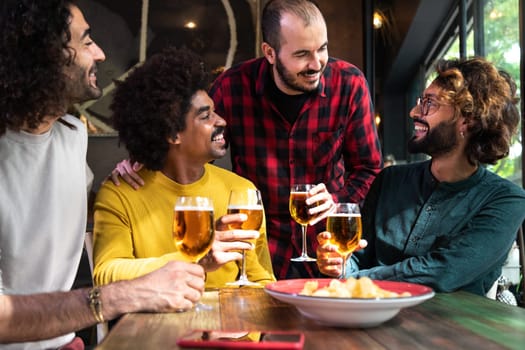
273,340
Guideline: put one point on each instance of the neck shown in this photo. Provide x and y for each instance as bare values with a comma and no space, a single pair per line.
452,168
44,126
183,171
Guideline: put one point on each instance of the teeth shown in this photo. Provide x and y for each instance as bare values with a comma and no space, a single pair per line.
218,138
420,128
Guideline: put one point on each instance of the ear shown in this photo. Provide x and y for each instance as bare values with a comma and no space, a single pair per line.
174,140
464,124
269,52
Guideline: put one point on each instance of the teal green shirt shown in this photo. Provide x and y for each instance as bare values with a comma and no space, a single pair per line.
448,236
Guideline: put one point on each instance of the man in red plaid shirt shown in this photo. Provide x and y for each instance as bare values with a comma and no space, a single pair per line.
297,115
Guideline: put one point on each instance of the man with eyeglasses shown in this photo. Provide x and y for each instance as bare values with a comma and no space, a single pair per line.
447,222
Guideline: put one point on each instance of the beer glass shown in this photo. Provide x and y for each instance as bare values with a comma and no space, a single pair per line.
344,225
249,202
299,212
193,229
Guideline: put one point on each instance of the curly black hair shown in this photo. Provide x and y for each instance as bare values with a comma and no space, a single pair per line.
486,97
34,35
151,104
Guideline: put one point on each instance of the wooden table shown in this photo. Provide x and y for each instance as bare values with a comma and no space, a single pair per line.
448,321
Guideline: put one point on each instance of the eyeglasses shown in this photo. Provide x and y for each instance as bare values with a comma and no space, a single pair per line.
427,106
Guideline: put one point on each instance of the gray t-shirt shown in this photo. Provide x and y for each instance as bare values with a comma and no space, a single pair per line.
43,211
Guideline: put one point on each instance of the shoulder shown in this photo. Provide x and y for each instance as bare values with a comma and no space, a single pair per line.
501,185
247,68
343,68
109,192
71,131
74,121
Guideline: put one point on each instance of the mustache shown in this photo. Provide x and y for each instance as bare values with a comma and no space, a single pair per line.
421,121
218,130
311,71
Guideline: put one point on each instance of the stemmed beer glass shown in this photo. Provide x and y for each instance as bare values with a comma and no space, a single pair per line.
193,229
299,212
344,225
249,202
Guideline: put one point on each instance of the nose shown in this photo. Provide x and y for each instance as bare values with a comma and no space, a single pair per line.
219,120
415,112
316,62
98,54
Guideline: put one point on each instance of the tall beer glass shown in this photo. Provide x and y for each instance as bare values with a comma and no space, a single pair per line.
344,225
299,212
193,229
249,202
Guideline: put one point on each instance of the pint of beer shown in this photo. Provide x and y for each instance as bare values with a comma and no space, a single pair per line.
193,226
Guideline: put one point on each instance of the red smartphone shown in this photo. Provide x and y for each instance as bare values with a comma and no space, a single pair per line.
277,340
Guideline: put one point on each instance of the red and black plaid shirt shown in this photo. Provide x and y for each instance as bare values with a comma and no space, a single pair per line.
333,140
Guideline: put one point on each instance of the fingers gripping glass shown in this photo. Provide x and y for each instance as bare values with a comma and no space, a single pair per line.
427,106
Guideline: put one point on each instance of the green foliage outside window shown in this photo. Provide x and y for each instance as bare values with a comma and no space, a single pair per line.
501,31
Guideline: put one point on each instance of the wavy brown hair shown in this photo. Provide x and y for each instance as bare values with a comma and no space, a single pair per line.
152,103
34,35
486,98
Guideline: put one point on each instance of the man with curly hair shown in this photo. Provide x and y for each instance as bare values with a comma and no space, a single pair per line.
447,222
167,122
47,62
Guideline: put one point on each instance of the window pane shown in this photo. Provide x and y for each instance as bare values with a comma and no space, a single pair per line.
502,47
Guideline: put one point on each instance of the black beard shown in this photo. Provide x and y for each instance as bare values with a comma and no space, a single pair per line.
288,79
440,140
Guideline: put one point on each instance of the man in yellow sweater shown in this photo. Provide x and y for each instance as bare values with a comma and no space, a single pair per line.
167,122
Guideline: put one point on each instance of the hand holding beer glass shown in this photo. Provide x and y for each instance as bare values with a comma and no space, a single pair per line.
193,228
344,225
299,212
249,202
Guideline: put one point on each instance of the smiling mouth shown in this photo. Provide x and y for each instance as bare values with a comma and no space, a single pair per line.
311,74
420,128
218,138
93,76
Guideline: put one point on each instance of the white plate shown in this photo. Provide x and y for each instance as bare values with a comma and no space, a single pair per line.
348,312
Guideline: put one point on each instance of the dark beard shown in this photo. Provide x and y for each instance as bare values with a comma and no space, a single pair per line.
288,79
81,91
440,140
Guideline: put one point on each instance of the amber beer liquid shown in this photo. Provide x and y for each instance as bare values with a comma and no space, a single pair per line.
254,213
345,229
193,231
299,209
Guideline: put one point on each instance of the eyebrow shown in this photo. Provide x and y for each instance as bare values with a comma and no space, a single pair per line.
203,109
86,33
325,44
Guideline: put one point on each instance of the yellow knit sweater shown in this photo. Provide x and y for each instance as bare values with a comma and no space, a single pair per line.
133,228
